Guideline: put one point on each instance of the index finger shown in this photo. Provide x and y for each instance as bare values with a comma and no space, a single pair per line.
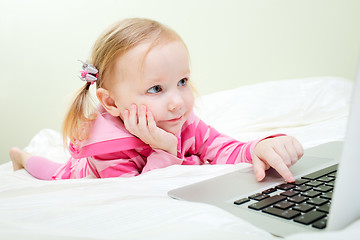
276,162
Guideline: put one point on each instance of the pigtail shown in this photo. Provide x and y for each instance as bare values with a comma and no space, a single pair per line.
78,117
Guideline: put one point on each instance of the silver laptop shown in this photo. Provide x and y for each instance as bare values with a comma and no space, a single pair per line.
324,197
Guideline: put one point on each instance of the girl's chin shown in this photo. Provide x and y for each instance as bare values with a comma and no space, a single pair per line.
173,130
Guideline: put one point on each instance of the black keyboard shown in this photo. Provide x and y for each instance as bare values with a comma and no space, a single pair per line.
306,201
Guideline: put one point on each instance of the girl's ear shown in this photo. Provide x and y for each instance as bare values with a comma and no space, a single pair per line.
107,102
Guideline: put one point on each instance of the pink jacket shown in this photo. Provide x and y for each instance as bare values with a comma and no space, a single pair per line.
111,151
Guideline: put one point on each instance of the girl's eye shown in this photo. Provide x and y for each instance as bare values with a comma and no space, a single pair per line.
182,82
154,89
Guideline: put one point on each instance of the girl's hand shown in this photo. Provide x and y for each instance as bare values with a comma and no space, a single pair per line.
141,123
279,153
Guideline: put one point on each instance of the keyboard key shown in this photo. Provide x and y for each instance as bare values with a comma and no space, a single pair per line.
270,190
327,195
266,202
311,194
304,207
284,204
309,217
314,183
321,172
330,184
261,197
325,179
302,188
324,208
298,199
285,186
287,214
320,224
300,181
332,175
255,195
317,201
290,193
241,201
323,188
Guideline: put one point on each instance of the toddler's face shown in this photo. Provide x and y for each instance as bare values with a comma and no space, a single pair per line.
159,81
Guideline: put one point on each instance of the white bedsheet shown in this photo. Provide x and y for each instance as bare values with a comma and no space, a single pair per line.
314,110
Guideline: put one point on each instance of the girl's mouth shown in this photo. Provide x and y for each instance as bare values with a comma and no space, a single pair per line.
175,119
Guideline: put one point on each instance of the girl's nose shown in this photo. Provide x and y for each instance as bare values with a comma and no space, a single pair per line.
176,102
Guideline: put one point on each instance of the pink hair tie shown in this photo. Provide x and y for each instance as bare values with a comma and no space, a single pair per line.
89,73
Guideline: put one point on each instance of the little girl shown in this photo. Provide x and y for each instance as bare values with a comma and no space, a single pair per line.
145,118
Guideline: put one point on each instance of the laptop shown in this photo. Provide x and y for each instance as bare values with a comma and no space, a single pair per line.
324,196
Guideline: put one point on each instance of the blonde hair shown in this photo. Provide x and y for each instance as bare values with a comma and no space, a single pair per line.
119,38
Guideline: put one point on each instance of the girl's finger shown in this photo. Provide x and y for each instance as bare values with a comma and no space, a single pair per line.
294,157
299,148
276,162
126,119
283,152
142,120
133,119
259,168
151,123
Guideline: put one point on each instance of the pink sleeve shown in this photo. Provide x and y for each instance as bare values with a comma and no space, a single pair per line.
121,164
218,148
242,152
161,159
131,163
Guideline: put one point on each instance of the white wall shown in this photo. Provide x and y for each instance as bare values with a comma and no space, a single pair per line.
232,42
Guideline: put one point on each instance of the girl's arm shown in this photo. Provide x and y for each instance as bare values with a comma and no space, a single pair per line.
277,151
119,164
215,147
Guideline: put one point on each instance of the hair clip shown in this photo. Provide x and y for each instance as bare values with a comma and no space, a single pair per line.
89,73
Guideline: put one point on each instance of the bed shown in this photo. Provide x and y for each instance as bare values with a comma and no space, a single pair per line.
314,110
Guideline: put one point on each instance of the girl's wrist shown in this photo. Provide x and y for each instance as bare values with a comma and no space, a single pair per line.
172,148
